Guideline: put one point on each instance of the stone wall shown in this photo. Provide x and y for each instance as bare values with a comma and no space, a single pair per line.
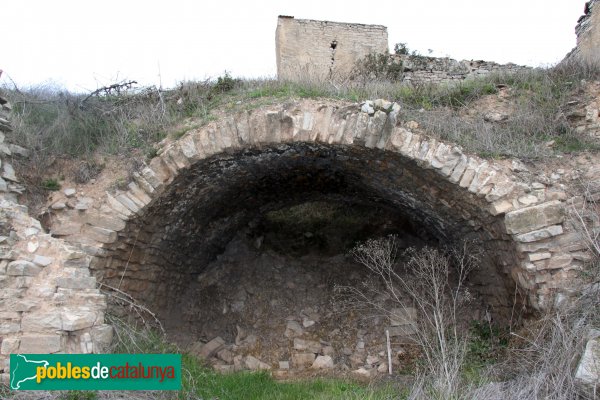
588,34
324,49
422,69
48,299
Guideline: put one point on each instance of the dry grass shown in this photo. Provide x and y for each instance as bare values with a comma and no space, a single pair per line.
51,121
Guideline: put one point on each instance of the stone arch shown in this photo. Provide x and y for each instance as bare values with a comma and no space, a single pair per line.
203,186
448,189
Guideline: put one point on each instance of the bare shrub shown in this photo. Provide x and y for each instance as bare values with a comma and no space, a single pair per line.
434,281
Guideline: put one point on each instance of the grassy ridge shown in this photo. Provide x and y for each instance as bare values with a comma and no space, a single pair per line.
51,121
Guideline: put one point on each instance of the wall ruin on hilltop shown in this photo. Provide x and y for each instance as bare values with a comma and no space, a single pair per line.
419,69
324,49
588,34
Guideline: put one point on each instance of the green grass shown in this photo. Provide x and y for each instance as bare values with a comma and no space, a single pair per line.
78,395
51,184
487,346
208,384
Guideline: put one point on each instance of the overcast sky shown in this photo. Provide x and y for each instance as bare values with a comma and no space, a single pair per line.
86,44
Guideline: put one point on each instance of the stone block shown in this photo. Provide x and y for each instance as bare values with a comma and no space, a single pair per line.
226,356
83,262
41,344
117,206
39,321
242,125
104,221
449,160
143,183
588,369
502,187
397,137
254,364
19,305
9,346
11,293
23,268
102,336
323,362
483,175
364,373
307,345
500,207
425,152
410,148
65,228
459,169
85,344
534,217
559,261
76,283
42,261
188,147
212,347
138,193
152,177
8,327
538,256
76,319
171,166
293,329
540,234
469,173
303,360
9,173
101,235
128,202
22,281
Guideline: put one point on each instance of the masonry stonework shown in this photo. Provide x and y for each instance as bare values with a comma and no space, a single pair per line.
152,239
324,49
588,34
49,302
329,51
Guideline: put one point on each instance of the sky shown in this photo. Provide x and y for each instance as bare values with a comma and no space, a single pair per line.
82,45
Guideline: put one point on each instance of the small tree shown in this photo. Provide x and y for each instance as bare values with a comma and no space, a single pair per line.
434,281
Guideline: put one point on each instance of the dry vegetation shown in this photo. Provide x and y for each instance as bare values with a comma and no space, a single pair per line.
539,361
53,122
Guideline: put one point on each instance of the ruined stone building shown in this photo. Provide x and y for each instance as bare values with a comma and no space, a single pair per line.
588,34
328,51
324,49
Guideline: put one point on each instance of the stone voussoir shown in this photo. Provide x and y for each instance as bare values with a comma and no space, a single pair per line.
534,217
